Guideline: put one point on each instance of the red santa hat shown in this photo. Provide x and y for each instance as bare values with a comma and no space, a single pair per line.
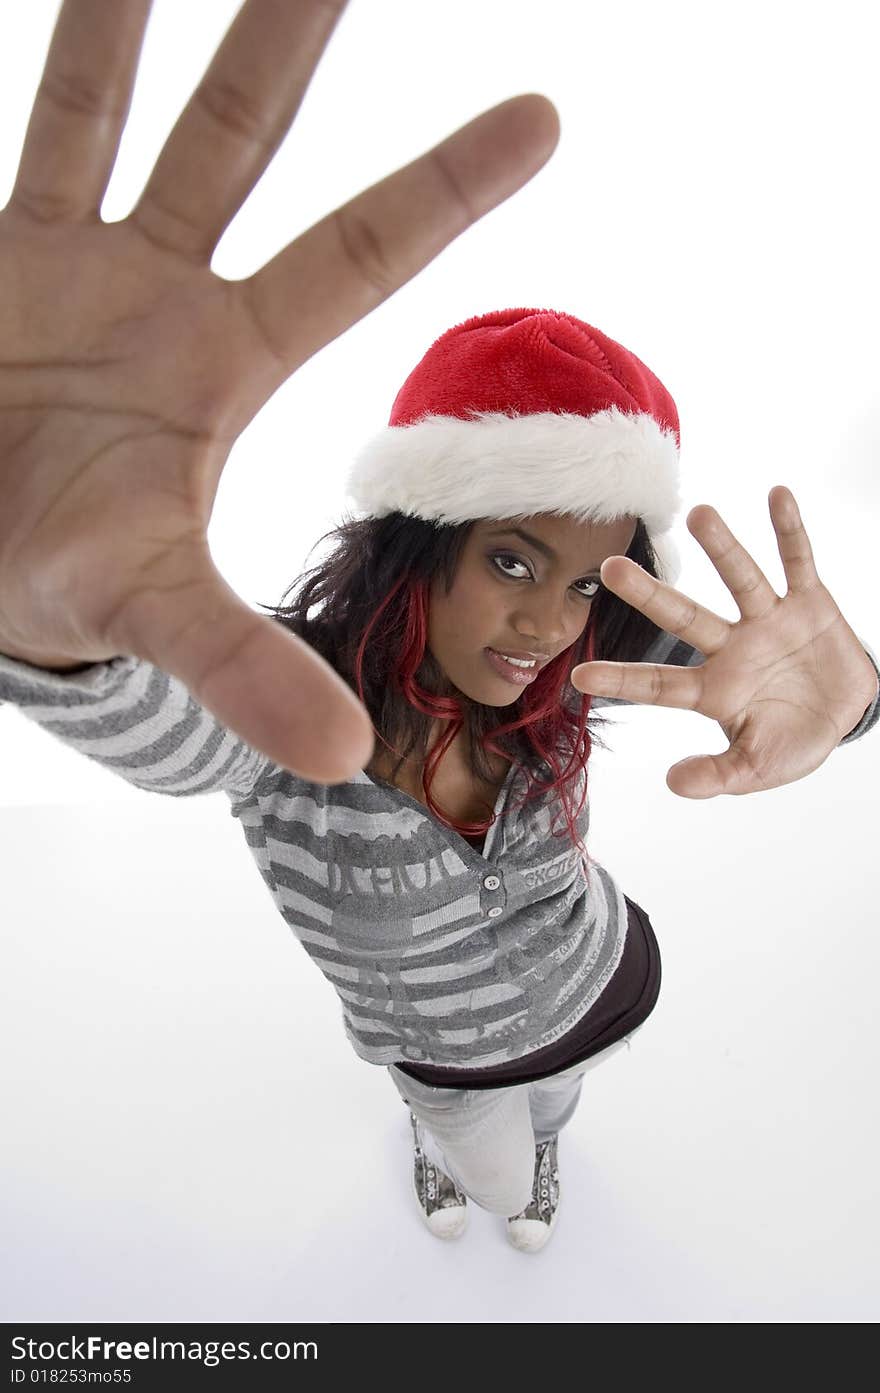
527,411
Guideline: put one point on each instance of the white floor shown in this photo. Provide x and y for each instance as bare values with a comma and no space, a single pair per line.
189,1136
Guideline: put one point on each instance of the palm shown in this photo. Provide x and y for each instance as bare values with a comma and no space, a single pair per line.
128,369
154,369
104,308
790,716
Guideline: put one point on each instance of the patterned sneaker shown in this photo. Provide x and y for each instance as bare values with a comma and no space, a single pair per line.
442,1204
530,1230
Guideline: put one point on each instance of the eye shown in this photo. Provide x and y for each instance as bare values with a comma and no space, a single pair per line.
499,557
597,586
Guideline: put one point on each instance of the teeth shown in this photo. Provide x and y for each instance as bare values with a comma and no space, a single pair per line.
520,662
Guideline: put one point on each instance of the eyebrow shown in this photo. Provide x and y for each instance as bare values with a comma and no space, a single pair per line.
537,544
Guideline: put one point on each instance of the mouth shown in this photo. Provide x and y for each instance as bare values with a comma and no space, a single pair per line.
520,671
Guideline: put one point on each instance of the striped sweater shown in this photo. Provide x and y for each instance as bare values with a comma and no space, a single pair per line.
440,954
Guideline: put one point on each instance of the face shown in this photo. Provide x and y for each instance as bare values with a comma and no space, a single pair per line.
522,587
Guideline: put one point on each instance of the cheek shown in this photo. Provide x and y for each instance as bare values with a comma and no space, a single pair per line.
580,620
441,622
478,616
466,618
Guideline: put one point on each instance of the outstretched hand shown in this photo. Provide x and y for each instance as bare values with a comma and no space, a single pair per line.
786,682
128,369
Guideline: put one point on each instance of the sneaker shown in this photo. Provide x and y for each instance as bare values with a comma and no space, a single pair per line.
443,1206
530,1230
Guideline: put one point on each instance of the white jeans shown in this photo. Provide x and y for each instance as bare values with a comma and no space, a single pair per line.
485,1137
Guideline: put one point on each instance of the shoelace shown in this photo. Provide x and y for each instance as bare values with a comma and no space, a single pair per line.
545,1185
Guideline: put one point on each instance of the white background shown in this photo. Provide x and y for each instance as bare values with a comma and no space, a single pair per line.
190,1136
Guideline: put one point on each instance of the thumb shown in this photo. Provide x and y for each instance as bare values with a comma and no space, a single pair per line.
695,777
258,679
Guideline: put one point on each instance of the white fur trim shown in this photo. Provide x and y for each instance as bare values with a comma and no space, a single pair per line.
495,465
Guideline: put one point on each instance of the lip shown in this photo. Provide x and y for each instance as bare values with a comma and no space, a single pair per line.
517,676
523,653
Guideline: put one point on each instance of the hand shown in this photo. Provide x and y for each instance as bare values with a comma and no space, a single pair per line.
786,682
128,369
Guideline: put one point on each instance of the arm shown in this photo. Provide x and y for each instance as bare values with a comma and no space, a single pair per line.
136,721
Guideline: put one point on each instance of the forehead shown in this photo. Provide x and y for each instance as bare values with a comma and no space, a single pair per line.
562,533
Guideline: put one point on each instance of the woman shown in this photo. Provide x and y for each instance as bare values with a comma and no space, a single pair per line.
446,890
127,371
418,602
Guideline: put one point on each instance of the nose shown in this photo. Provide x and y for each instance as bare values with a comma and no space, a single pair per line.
540,620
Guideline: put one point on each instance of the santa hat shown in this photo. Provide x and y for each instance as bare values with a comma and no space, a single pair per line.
526,411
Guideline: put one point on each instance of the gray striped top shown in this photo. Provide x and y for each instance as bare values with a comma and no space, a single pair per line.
440,953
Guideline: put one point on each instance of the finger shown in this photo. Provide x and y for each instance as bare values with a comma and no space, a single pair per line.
750,588
347,264
792,540
234,122
650,684
257,678
80,109
670,609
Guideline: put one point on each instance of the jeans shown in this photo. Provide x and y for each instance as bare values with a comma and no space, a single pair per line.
484,1138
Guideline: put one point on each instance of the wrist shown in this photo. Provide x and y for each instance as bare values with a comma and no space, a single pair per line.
871,704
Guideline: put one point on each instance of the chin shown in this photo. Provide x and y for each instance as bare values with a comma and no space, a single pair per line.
488,698
482,691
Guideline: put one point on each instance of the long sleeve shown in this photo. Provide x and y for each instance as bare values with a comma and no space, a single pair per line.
666,648
138,722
